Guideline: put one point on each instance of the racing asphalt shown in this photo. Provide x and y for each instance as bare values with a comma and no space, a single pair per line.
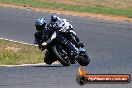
108,44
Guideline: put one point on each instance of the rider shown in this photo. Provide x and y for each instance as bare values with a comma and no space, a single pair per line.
41,26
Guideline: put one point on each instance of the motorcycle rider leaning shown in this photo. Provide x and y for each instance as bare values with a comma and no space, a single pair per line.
65,34
41,26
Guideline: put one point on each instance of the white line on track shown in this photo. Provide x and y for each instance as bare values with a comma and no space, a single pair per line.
18,42
24,65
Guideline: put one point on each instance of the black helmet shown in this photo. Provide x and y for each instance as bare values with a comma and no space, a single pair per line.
40,24
54,18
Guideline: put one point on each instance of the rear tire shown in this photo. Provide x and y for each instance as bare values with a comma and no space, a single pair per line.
61,58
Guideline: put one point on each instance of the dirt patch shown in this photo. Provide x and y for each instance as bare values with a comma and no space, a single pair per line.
14,49
109,3
16,53
98,16
71,2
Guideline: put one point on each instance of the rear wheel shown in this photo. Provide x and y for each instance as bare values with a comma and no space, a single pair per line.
62,56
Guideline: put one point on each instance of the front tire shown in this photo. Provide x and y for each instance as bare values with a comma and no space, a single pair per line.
83,60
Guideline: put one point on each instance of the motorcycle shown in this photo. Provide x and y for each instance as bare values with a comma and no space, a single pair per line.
57,52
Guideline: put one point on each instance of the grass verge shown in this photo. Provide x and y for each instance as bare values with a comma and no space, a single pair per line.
127,12
15,53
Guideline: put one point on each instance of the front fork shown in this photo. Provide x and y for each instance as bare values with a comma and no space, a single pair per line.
68,47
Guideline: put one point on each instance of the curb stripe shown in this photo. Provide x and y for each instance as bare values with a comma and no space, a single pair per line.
23,65
18,42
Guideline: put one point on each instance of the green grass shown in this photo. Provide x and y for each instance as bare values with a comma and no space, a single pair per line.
80,8
14,53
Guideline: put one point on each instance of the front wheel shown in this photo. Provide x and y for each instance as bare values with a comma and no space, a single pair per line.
62,56
83,60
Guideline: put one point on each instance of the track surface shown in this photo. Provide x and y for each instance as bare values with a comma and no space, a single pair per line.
108,43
